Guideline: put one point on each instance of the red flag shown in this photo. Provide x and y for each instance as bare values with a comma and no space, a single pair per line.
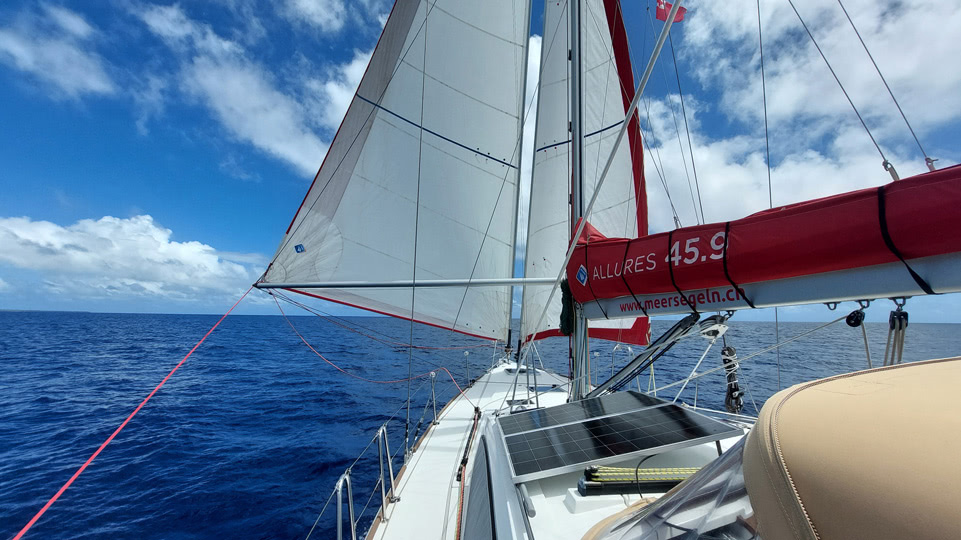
664,9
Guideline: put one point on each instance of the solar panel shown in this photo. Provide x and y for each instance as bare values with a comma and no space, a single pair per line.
569,447
618,403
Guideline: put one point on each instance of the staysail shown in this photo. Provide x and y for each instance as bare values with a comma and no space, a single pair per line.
420,181
897,240
621,208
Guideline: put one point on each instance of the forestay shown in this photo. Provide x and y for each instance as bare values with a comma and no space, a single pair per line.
621,208
420,181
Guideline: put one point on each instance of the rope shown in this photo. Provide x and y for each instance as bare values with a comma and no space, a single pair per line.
335,320
124,424
365,379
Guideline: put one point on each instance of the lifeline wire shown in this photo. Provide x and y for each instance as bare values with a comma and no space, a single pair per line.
124,424
752,355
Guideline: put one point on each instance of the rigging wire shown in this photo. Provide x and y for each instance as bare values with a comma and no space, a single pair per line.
885,163
767,161
413,290
365,379
927,159
656,152
687,128
677,128
754,354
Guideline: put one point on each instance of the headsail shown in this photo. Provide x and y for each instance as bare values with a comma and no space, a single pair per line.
897,240
621,209
420,181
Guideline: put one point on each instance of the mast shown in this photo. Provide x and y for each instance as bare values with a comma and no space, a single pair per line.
579,354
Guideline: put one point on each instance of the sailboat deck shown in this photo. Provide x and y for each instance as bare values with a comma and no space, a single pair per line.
430,493
427,484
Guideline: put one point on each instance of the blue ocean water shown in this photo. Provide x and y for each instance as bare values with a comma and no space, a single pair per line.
247,439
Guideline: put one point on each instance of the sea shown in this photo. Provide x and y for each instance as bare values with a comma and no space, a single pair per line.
249,437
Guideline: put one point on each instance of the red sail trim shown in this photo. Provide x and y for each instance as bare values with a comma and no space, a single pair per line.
625,72
638,334
834,233
435,325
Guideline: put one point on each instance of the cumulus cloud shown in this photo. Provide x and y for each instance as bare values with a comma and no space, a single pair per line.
54,46
913,49
240,93
113,256
328,15
818,146
329,97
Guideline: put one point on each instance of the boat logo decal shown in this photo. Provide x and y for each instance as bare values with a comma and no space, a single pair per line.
299,248
582,275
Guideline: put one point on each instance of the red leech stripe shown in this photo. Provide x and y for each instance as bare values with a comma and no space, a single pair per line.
341,302
124,424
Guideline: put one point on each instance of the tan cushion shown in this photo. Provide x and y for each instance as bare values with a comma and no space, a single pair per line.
870,455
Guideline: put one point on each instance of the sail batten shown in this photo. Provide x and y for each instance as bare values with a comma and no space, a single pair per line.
420,180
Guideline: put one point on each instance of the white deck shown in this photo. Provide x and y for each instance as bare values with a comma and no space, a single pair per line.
429,491
427,484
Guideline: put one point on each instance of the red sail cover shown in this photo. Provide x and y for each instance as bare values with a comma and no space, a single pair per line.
825,250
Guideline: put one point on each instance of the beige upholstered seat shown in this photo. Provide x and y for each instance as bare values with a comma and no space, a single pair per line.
872,455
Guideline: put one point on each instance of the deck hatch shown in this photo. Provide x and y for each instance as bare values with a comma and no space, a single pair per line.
606,437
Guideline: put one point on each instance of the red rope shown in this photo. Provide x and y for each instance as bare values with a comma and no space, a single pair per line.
358,377
384,341
124,424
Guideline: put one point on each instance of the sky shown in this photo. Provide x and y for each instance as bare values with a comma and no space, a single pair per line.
154,153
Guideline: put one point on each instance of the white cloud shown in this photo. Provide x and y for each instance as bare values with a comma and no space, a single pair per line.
818,146
4,286
913,47
330,97
239,92
328,15
55,48
69,21
149,100
127,257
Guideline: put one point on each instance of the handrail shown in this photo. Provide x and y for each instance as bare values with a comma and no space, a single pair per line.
388,489
384,449
345,478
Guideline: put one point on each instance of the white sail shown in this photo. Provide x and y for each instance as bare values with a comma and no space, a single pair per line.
420,181
616,210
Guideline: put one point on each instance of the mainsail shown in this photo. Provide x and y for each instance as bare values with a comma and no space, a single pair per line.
896,240
621,208
420,181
